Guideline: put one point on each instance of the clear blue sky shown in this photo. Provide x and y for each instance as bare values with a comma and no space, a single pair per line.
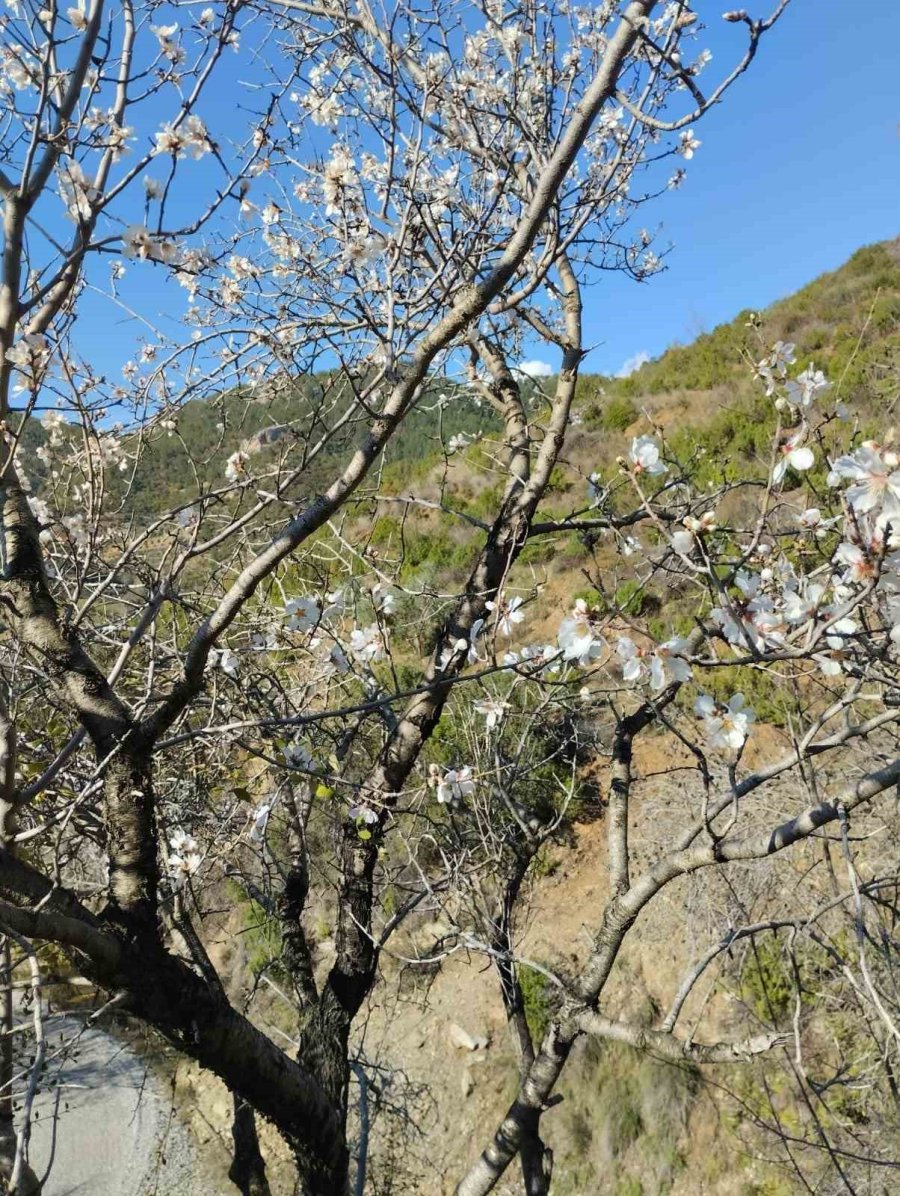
799,166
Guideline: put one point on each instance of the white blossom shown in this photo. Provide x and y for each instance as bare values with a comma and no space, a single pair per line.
339,174
363,814
683,542
664,664
20,68
727,726
335,604
230,292
228,661
859,566
546,658
325,111
455,784
236,466
78,192
645,456
875,476
168,46
806,388
367,643
383,599
297,756
338,660
596,489
241,267
810,519
189,137
632,667
138,243
508,613
782,355
706,523
260,822
302,614
577,636
183,857
31,355
794,455
773,368
492,710
800,605
688,144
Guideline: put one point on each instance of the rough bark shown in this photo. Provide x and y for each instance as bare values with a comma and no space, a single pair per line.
536,1158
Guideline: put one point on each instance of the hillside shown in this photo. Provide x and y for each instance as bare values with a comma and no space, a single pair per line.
627,1126
703,399
701,395
847,321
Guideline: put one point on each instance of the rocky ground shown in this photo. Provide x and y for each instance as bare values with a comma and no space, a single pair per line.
436,1047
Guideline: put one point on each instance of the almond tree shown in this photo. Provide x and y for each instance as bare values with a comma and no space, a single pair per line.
419,198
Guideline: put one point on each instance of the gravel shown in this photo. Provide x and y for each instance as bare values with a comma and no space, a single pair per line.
116,1132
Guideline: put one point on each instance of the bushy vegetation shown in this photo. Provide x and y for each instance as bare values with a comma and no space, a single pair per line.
614,413
260,934
626,1119
537,997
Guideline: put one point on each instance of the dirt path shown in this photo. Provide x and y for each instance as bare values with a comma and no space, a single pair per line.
116,1133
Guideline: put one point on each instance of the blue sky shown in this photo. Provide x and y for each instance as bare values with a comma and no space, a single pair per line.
799,166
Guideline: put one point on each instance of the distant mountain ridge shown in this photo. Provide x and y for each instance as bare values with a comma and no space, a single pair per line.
847,321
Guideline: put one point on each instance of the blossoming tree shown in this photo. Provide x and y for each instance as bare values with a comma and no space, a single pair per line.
229,681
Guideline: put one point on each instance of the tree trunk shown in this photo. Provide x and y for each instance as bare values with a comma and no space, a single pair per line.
248,1169
323,1048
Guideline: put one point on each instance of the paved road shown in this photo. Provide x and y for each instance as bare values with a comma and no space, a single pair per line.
116,1134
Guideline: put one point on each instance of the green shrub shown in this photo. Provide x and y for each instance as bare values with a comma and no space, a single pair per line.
560,481
537,997
766,981
618,1106
672,624
628,386
618,413
734,444
628,1112
261,934
631,599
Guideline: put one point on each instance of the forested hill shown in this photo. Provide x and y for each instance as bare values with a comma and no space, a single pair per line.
173,466
847,322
